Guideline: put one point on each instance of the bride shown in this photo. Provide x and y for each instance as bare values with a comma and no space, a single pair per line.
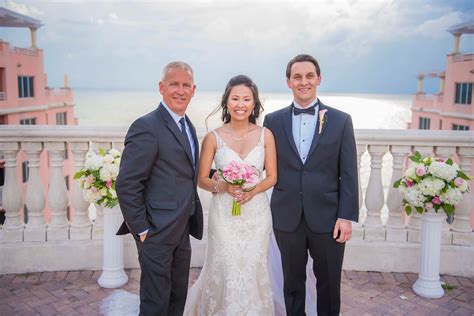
234,279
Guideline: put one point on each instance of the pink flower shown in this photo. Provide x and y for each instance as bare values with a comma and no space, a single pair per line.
428,206
458,181
420,170
409,183
436,200
108,184
439,159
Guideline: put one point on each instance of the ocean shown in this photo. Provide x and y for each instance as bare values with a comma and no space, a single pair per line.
121,108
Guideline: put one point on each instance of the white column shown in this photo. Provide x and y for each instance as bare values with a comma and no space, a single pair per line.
98,225
462,231
58,228
36,227
420,83
396,228
12,195
113,274
81,226
33,37
374,197
428,284
446,152
357,228
414,225
457,42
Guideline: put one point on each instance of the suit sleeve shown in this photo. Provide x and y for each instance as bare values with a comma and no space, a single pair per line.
136,164
349,185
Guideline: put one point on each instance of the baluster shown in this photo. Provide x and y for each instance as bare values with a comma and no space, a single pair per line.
462,231
35,200
357,228
396,228
414,225
374,197
58,228
446,152
12,195
81,226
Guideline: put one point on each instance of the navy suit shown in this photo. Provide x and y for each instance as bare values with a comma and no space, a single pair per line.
307,200
157,192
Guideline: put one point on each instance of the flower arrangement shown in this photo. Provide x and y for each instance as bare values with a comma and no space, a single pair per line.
241,174
432,183
97,178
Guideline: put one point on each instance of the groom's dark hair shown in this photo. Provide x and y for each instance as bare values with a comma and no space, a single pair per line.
302,58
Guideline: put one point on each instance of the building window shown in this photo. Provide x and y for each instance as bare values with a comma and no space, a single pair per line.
61,118
424,123
25,171
25,87
28,121
463,93
457,127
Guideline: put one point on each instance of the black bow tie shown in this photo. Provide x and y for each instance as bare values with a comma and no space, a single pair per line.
311,110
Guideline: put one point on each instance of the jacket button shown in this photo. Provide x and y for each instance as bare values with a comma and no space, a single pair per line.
300,193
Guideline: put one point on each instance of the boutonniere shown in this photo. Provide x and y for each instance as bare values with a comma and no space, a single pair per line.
321,119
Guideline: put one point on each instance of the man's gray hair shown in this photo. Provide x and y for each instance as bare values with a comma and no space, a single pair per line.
177,64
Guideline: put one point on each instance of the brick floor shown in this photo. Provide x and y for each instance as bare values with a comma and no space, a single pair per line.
363,293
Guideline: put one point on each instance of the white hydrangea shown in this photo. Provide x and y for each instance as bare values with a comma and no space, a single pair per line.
109,172
431,186
92,195
452,196
443,170
93,162
114,152
108,159
414,196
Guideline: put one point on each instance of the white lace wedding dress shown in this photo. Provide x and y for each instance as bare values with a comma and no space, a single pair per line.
234,279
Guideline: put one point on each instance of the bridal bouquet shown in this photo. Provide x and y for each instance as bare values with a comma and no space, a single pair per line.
97,178
432,183
241,174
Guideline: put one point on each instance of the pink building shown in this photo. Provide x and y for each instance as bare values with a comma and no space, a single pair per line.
451,108
26,98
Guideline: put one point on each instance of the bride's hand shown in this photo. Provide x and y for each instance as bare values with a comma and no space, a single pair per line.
233,190
246,196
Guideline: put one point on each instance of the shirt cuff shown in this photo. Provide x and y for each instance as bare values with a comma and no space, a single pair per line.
346,220
143,233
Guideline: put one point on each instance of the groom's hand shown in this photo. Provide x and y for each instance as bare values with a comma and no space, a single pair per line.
343,230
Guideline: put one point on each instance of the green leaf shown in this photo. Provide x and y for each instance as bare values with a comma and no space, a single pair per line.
397,183
408,209
462,175
419,209
101,151
449,162
79,174
448,208
447,286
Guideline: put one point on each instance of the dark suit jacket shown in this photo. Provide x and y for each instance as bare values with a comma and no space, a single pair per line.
325,187
156,185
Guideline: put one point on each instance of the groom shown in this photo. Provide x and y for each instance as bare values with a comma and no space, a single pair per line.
157,192
316,196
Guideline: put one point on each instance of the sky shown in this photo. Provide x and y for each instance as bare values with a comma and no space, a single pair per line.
362,46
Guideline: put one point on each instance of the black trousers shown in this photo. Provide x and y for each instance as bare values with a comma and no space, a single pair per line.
327,256
164,264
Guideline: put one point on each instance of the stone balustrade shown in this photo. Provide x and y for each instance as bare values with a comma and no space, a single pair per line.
385,239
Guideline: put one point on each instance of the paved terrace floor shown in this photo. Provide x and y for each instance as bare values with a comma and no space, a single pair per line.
363,293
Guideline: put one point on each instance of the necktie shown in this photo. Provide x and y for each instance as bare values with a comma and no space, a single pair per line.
185,135
311,110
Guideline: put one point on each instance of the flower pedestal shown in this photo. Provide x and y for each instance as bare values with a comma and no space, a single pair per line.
113,274
428,284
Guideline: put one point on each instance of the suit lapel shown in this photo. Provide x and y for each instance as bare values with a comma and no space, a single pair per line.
288,124
173,127
317,136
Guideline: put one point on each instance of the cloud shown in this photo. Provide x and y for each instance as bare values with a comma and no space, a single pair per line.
24,9
436,28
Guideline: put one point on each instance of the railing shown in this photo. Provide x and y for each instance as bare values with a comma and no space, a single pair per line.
382,241
26,51
3,96
463,57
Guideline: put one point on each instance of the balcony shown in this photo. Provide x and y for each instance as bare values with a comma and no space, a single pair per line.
384,240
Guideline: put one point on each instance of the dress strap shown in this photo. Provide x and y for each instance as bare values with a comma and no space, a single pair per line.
262,137
219,140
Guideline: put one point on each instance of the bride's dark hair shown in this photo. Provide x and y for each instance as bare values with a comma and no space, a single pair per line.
233,82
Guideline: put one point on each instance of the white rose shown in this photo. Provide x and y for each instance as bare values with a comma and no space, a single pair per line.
93,162
108,159
411,172
91,196
103,192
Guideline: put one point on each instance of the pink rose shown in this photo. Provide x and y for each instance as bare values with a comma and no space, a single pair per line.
439,159
409,183
458,181
428,206
108,184
436,200
420,170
